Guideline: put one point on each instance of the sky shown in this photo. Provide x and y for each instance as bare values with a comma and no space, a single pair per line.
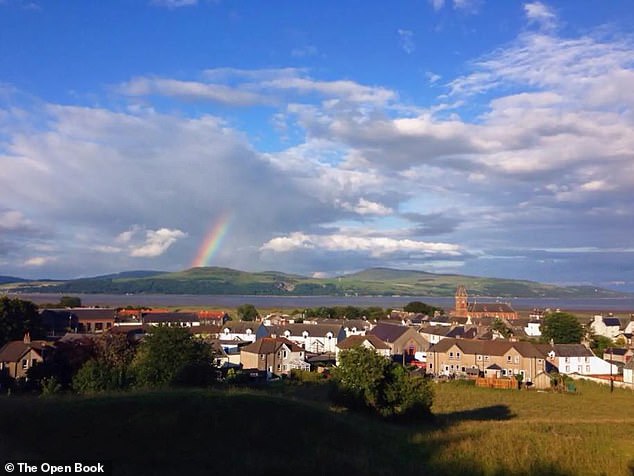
320,138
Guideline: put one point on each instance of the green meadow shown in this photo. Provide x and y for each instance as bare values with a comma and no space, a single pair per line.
294,429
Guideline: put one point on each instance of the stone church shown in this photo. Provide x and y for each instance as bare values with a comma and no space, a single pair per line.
464,308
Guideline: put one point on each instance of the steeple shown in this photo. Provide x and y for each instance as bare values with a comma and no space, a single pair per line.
461,301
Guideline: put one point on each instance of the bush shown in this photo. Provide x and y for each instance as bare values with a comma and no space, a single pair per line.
305,376
368,381
96,376
171,356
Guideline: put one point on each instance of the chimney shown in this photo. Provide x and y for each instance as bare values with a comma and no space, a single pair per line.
27,337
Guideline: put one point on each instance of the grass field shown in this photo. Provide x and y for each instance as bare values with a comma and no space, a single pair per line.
294,430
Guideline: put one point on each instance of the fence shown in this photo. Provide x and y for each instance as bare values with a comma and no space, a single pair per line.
505,383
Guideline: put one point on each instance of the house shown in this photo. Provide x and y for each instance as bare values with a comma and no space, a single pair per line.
576,358
58,322
617,356
171,319
533,328
488,357
405,342
212,318
434,334
18,356
352,327
628,372
246,331
316,338
88,319
606,326
275,355
369,342
95,320
465,308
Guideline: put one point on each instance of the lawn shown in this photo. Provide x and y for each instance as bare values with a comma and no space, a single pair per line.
476,431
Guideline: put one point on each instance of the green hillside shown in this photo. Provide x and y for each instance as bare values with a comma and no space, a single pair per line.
376,281
189,432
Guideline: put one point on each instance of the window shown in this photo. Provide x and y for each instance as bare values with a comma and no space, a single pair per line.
509,358
540,361
567,368
458,355
486,358
580,368
567,359
450,355
587,369
479,358
516,359
430,365
587,360
25,364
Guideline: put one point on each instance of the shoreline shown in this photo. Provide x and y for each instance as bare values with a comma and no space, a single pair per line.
586,305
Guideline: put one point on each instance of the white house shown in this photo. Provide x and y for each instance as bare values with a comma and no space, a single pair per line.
576,358
606,326
317,338
628,372
369,342
245,331
532,329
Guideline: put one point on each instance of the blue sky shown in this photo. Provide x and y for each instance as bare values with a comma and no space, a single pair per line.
476,137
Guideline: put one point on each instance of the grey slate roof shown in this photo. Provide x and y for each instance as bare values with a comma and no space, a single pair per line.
388,332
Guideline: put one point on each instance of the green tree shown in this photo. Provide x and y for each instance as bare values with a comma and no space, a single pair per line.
247,312
598,344
498,325
69,301
172,356
18,317
421,308
562,328
374,312
367,380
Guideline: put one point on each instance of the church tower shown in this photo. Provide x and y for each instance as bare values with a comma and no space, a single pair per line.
461,302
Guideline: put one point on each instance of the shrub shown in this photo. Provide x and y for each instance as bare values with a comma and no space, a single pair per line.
366,380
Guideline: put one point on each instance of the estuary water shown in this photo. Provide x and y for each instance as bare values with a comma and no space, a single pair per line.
303,302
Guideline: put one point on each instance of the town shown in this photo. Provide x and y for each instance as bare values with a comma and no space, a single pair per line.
487,342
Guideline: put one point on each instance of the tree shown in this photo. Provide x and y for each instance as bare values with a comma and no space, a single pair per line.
109,369
247,312
419,307
172,356
498,325
70,301
562,328
598,344
367,380
18,317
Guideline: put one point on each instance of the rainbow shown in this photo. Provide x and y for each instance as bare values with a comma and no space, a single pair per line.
212,241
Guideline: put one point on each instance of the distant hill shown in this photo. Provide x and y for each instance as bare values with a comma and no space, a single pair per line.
374,281
11,279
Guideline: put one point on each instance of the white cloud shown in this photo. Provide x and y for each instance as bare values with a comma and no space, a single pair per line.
432,77
38,261
406,40
368,207
544,16
157,242
13,220
374,246
437,4
190,90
